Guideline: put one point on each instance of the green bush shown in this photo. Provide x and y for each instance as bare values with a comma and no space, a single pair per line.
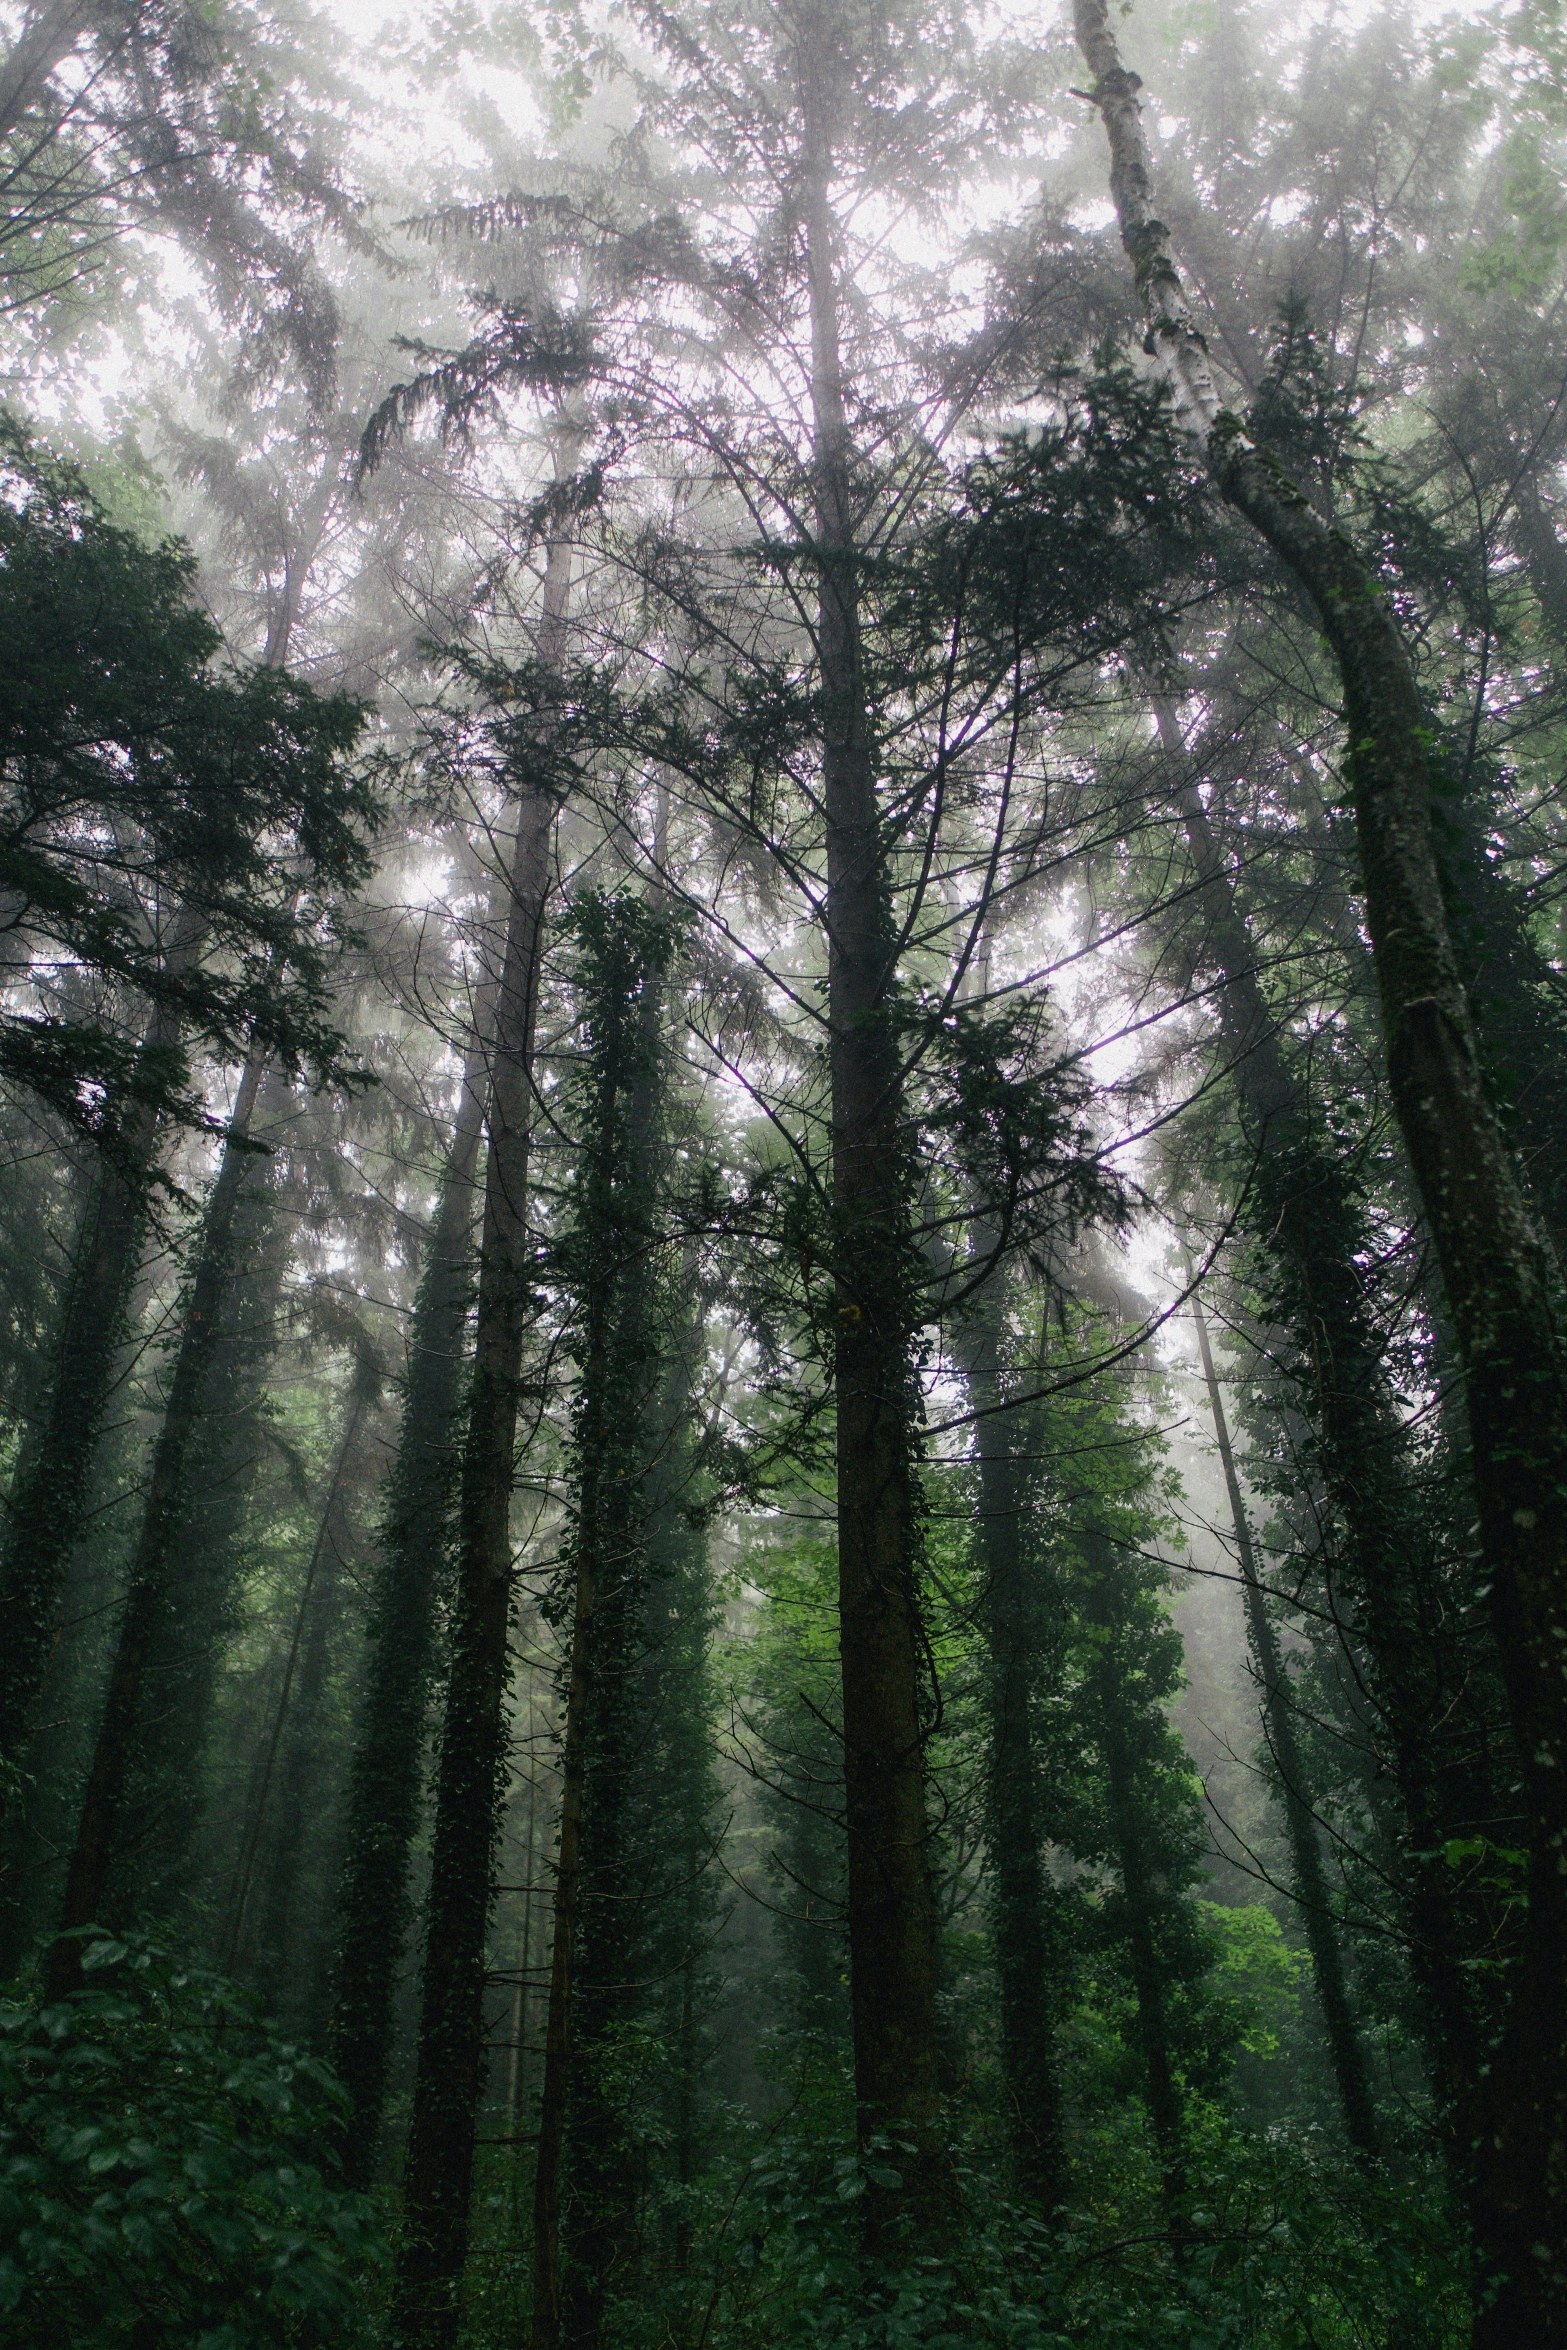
164,2173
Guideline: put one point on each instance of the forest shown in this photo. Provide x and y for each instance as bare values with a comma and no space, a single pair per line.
783,1175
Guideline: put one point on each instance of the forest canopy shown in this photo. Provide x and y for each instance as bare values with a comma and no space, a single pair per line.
783,1175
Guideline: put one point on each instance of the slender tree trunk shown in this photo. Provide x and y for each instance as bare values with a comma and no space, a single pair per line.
148,1597
49,1506
891,1907
1311,1889
1137,1884
439,2171
303,1615
282,1973
1305,1223
1025,1958
548,2291
1503,1285
386,1771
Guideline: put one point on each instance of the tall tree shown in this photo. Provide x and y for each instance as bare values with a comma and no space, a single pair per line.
1501,1282
472,1755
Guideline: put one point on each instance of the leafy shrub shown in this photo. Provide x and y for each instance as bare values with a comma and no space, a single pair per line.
163,2170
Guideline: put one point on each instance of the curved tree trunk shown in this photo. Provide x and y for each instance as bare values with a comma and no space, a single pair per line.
1502,1282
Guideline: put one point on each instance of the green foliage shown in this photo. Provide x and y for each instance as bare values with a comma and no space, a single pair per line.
143,787
1285,2247
161,2172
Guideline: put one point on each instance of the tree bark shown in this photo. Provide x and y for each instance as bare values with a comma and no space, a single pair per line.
148,1597
49,1507
1304,1222
439,2171
891,1909
386,1771
303,1618
1153,2025
1502,1282
596,1912
1024,1957
1311,1890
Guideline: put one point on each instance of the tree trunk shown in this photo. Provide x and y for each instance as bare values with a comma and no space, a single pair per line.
1137,1885
891,1908
49,1506
471,1773
596,1919
1025,1958
386,1771
1502,1282
148,1598
1306,1223
1311,1889
303,1618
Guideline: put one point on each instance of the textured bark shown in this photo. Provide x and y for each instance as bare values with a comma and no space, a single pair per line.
148,1596
548,2290
1311,1890
596,1919
439,2171
1500,1275
386,1771
48,1508
1302,1219
892,1938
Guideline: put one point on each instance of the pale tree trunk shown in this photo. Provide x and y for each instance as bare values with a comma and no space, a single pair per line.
891,1908
362,1392
1311,1886
1502,1283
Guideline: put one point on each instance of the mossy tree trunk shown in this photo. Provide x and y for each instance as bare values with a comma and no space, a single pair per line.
1502,1282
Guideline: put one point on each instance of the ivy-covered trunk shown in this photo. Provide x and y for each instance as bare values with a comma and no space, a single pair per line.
471,1772
891,1912
584,2178
1305,1217
1502,1282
